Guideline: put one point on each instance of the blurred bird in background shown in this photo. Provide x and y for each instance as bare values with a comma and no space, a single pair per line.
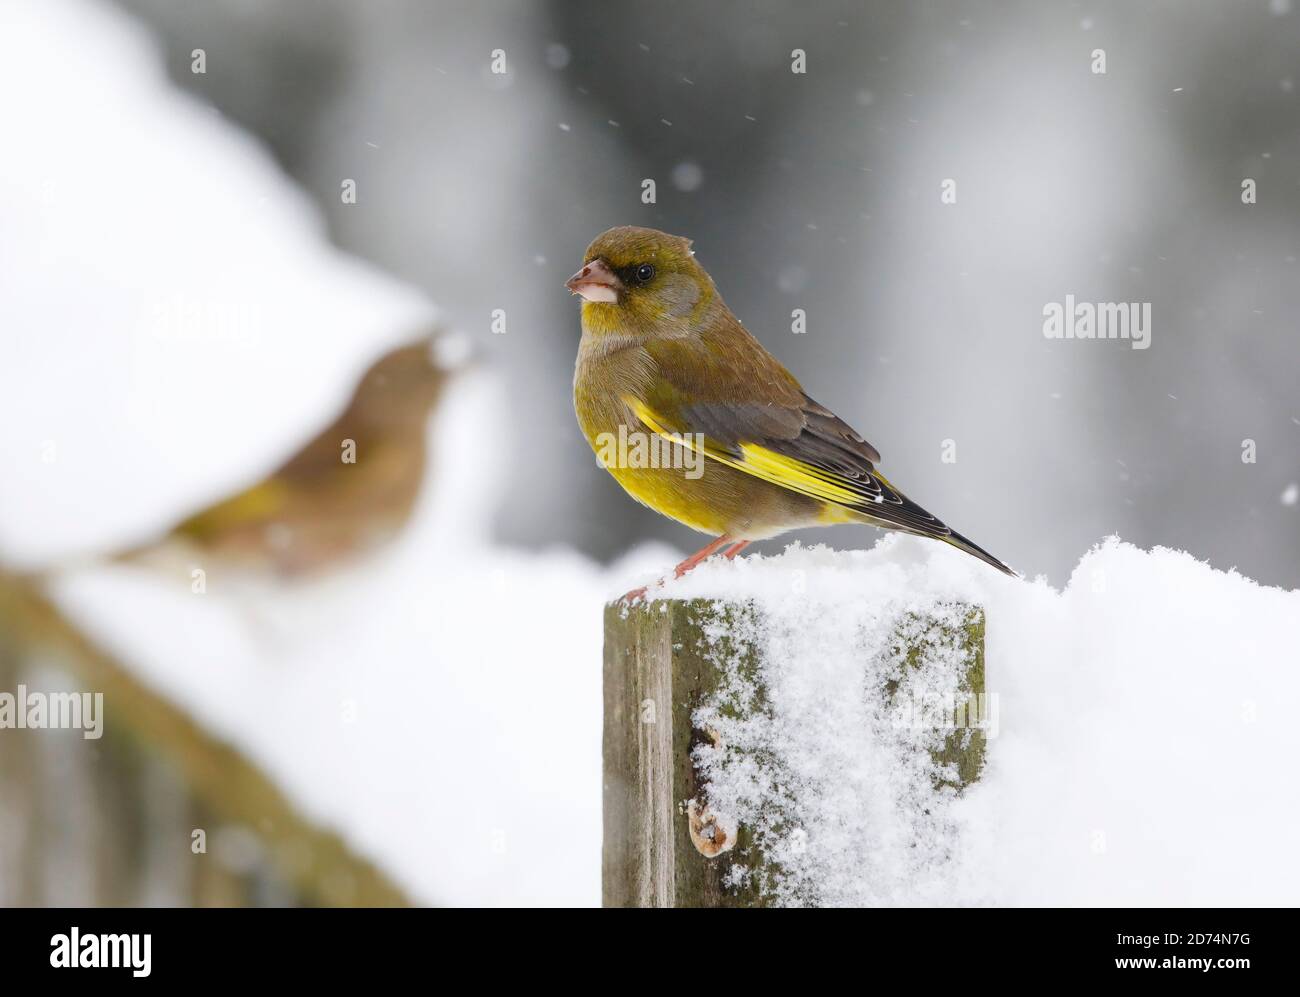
662,353
348,491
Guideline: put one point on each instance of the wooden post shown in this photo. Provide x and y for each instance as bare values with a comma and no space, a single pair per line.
659,667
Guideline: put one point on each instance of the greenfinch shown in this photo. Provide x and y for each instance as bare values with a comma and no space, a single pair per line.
743,453
346,491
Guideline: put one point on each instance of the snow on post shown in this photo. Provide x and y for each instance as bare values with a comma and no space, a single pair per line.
735,733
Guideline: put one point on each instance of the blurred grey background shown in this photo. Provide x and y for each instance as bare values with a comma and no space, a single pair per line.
821,191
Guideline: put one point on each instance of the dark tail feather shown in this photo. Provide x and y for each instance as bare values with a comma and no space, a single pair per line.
961,543
902,514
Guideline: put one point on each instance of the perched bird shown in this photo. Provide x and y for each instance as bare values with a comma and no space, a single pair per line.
662,356
349,489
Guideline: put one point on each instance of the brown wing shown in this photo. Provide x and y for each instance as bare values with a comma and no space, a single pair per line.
756,417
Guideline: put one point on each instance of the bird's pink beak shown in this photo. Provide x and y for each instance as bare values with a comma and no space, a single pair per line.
595,282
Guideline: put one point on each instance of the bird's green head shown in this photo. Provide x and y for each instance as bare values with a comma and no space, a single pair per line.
641,279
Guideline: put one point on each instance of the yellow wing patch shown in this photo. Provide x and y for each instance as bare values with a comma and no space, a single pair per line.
794,474
759,461
260,502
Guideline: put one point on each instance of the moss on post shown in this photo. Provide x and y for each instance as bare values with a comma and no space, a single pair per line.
966,745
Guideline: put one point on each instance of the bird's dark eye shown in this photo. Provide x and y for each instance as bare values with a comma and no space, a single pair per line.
644,272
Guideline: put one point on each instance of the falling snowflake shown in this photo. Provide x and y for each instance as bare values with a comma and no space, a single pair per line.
687,176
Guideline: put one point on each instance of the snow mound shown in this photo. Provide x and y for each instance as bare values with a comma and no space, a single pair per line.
1138,751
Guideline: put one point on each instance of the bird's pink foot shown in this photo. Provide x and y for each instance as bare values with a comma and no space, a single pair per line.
636,595
703,554
734,547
